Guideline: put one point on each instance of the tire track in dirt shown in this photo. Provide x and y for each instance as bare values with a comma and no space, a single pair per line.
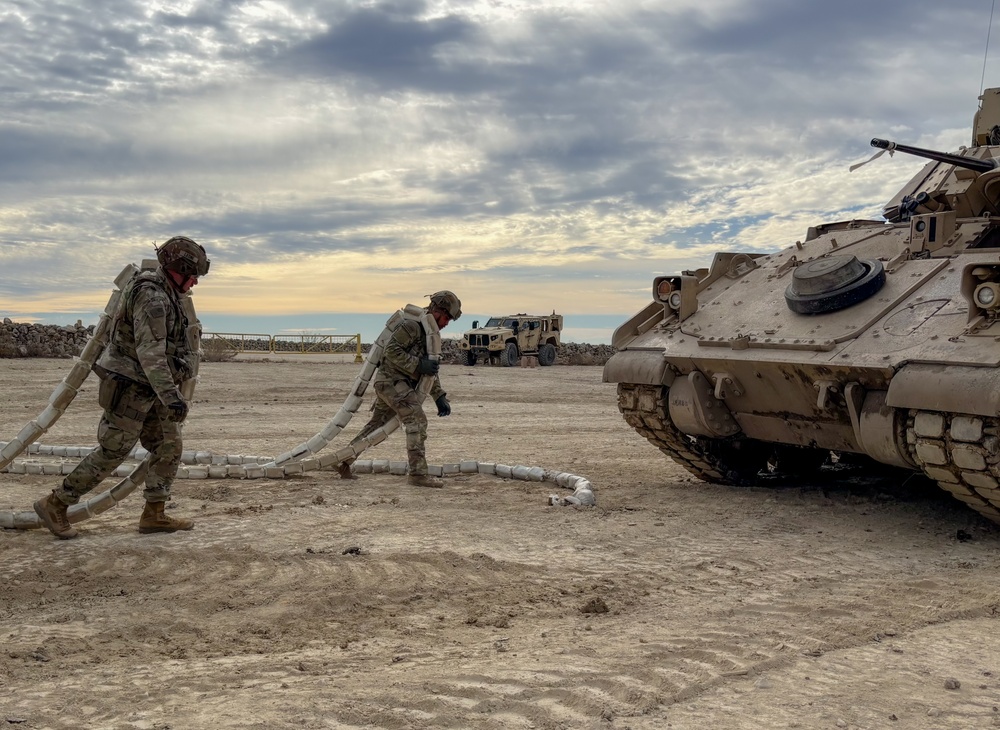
653,668
753,617
478,606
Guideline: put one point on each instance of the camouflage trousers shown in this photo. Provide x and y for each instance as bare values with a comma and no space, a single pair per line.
399,399
132,412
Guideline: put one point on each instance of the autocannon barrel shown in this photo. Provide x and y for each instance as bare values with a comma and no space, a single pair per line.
970,163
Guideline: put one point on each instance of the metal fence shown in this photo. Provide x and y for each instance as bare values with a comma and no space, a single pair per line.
300,344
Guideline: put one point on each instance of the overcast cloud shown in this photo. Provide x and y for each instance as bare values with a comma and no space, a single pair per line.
529,154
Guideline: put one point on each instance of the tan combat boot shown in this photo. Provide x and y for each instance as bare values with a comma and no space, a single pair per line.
52,512
154,520
423,480
344,469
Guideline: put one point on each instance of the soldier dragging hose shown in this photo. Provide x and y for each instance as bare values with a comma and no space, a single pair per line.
146,361
404,361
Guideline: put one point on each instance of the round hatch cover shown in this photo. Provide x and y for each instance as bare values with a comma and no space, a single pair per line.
824,275
832,283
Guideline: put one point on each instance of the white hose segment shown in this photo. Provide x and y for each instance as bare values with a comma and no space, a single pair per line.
321,440
206,465
66,391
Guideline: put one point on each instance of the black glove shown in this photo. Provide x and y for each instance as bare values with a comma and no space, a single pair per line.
444,407
177,410
182,369
426,366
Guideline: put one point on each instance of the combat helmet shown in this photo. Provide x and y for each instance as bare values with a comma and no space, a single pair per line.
448,302
183,255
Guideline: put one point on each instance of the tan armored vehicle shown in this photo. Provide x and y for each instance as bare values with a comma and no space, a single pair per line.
503,340
868,337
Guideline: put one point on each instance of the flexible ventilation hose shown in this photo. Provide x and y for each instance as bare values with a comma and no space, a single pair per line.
206,465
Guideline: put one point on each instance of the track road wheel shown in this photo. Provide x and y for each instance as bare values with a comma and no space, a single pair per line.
797,460
733,461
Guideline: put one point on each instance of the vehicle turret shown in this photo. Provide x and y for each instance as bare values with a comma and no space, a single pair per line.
873,340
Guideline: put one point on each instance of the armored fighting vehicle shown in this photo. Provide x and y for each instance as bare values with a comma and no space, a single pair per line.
503,340
868,339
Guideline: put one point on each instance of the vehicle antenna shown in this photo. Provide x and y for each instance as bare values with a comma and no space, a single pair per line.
986,53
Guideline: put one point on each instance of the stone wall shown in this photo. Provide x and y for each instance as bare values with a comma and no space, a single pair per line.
42,340
51,340
570,353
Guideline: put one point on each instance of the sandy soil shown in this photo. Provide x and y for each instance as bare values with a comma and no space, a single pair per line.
319,603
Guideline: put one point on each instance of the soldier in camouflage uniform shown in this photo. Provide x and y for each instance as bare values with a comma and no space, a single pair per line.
403,362
140,370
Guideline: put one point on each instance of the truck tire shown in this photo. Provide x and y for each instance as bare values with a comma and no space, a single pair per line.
547,354
509,357
470,358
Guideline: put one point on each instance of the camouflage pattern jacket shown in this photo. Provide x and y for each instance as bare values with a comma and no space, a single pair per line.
148,341
402,355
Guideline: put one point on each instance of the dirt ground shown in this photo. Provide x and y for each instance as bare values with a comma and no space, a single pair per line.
319,603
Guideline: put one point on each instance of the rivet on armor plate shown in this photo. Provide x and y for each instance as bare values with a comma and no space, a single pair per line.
929,424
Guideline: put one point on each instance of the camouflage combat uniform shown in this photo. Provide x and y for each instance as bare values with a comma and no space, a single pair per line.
140,370
395,388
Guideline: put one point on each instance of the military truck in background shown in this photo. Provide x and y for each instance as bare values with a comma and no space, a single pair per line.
504,340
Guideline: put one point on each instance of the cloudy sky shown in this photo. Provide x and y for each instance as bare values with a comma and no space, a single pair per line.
347,157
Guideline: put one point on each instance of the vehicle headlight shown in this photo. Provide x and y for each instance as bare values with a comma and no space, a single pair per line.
987,295
674,300
664,289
